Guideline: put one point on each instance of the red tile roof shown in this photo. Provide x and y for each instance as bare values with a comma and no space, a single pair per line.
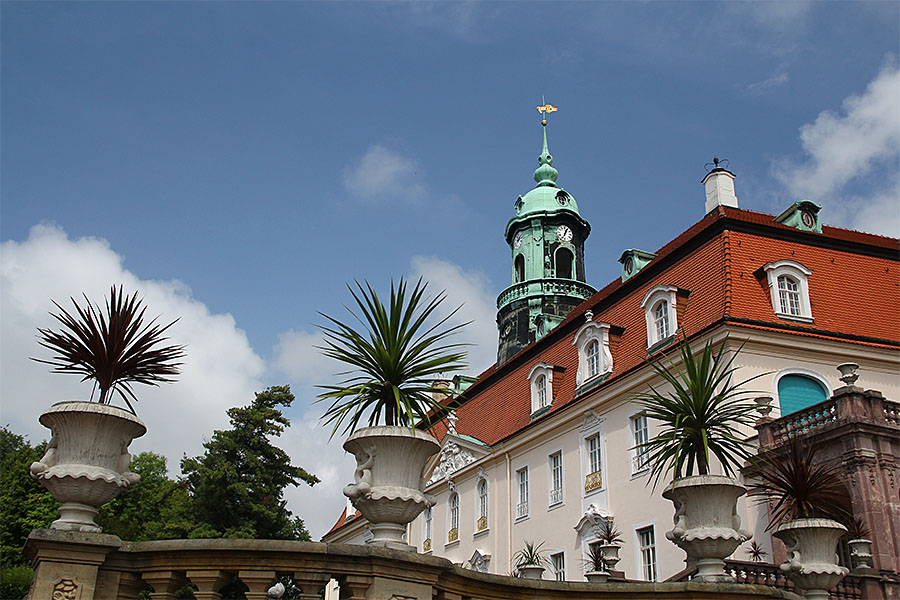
343,520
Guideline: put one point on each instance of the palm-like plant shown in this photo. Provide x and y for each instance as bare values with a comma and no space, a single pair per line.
116,349
799,485
700,416
395,358
756,552
594,561
531,555
608,533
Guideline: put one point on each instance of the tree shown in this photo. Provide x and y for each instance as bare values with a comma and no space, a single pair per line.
158,508
238,484
24,505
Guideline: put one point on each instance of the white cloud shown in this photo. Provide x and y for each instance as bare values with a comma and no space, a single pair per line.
843,147
773,81
383,174
220,369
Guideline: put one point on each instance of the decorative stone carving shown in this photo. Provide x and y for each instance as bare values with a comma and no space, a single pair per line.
610,554
848,372
275,592
861,553
763,406
590,523
478,562
812,562
591,420
387,487
66,589
87,459
451,423
707,525
453,458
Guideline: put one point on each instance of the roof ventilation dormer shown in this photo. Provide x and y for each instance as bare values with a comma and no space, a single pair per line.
803,215
719,186
633,261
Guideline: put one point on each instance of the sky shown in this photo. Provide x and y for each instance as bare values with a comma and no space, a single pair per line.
239,163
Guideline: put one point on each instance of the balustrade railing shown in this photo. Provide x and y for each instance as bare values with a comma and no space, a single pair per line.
756,573
538,287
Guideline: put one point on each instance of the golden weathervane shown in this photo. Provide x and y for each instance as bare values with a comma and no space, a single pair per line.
545,110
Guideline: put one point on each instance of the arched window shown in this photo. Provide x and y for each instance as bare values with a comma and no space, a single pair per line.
661,319
789,295
426,530
482,523
593,358
542,391
453,533
796,392
564,260
520,268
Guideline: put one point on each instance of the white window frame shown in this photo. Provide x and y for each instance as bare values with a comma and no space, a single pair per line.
651,301
452,516
534,376
644,567
590,332
558,574
482,503
556,496
427,529
522,492
800,274
638,466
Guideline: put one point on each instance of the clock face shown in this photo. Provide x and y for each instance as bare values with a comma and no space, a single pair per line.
564,233
518,240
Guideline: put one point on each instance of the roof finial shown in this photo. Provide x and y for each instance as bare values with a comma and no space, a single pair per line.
546,175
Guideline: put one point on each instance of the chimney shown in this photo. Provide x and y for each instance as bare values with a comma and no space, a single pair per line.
719,187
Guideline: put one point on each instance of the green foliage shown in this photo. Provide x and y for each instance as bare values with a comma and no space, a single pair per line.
24,505
701,415
115,350
800,486
593,561
158,508
608,532
531,555
238,484
394,358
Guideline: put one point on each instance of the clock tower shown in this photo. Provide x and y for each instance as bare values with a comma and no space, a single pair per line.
546,237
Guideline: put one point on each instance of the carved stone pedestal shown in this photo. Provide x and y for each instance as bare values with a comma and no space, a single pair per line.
66,563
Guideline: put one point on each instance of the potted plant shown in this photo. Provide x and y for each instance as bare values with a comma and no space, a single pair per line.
530,561
595,565
87,459
807,502
609,542
860,544
394,360
700,417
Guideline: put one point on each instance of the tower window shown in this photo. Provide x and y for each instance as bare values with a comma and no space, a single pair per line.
564,260
520,268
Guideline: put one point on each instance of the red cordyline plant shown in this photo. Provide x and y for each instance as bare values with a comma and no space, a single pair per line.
115,348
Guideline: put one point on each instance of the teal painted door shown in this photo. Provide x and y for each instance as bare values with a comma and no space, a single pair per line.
796,392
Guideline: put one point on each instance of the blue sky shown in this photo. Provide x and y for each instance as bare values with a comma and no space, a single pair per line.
240,162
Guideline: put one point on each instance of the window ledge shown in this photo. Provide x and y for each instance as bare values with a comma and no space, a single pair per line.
481,533
452,544
540,412
522,518
592,383
555,506
797,318
656,346
594,491
639,474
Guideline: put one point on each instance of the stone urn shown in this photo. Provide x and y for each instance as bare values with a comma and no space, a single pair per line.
812,561
597,576
531,571
707,525
87,459
610,554
861,553
388,482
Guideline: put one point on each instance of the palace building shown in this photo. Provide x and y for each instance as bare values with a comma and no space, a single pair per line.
542,446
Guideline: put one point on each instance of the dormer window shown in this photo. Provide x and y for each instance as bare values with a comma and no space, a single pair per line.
659,311
789,290
594,358
541,376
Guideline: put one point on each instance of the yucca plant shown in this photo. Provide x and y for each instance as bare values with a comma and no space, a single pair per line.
395,358
608,533
115,348
531,555
798,486
594,561
701,416
756,552
857,529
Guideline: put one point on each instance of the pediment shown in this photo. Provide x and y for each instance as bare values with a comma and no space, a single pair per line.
457,454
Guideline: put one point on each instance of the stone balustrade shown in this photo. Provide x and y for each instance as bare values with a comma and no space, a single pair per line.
757,573
96,566
540,287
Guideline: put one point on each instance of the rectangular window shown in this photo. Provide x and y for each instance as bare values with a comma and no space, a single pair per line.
522,505
647,542
558,563
594,478
639,435
556,478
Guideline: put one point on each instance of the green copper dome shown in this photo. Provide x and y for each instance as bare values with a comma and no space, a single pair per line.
546,197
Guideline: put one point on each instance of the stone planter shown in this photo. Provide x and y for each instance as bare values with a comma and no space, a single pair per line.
388,483
532,572
812,562
861,553
610,554
87,459
707,525
597,576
